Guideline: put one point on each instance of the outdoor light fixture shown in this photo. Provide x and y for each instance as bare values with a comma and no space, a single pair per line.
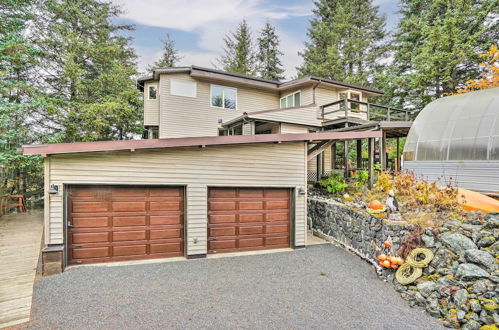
301,191
54,189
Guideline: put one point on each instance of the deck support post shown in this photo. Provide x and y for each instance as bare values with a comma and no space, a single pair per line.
359,154
333,156
371,161
382,151
345,159
397,162
319,166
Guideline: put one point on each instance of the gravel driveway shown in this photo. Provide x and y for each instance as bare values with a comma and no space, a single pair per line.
315,288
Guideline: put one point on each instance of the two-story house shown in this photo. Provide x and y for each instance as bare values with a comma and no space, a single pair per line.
223,167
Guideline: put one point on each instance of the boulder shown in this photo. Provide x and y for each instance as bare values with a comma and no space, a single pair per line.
475,305
482,286
428,240
471,325
481,258
469,272
460,297
457,243
494,248
486,241
426,288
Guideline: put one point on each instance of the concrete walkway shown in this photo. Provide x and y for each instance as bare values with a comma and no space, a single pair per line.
320,287
20,239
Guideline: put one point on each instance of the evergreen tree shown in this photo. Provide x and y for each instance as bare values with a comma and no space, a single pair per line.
437,47
89,72
269,65
347,41
238,54
170,56
18,97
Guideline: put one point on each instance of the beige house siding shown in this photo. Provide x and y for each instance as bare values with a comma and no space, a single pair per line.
292,128
151,107
189,117
252,165
305,116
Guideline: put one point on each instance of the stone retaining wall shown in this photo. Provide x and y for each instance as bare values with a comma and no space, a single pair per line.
460,285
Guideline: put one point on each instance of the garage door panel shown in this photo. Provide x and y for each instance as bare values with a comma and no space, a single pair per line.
277,205
78,238
222,193
128,206
250,242
220,245
222,206
222,218
165,206
251,217
90,222
281,241
277,228
222,231
95,252
251,193
88,206
244,219
166,248
124,223
251,205
119,221
165,233
166,219
276,216
129,235
250,230
129,250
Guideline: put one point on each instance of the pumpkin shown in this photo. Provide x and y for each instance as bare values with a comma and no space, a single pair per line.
375,205
386,264
382,257
387,243
400,261
394,266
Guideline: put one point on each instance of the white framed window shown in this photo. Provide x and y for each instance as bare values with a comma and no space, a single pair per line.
291,100
183,88
152,92
223,97
356,97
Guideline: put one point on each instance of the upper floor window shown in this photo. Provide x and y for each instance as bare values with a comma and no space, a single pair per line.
152,92
291,100
183,88
223,97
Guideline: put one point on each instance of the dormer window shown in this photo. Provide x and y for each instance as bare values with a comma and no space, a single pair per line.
223,97
152,92
291,100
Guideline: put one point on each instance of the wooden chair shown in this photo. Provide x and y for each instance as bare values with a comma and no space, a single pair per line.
21,202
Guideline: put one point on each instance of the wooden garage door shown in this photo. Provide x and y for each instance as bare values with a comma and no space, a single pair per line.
114,223
243,219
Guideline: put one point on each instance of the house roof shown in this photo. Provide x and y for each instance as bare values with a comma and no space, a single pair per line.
202,72
132,145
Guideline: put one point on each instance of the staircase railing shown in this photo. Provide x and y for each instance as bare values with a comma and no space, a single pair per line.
372,111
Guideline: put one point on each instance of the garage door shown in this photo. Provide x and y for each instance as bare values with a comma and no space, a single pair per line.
243,219
114,223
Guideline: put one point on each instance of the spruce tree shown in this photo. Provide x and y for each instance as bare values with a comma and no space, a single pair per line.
269,65
238,51
347,41
437,47
18,97
89,72
169,57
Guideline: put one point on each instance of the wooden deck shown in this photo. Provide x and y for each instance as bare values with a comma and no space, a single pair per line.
20,239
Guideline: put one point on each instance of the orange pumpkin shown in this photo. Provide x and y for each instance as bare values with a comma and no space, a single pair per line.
382,257
375,205
394,266
386,264
387,243
400,261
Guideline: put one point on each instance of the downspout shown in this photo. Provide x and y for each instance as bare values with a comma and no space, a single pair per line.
313,95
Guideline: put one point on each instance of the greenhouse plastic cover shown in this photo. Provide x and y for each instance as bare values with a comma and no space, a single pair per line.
460,127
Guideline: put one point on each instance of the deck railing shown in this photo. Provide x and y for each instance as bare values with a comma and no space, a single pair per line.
354,108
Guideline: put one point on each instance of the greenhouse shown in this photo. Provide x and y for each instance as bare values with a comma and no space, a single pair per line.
455,140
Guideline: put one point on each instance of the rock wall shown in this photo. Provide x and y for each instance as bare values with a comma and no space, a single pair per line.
460,285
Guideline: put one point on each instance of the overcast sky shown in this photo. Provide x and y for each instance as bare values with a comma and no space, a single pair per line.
198,26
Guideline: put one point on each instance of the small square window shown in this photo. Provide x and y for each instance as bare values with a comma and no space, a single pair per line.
152,92
223,97
291,100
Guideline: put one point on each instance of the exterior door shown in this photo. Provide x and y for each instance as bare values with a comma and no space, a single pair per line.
244,219
115,223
